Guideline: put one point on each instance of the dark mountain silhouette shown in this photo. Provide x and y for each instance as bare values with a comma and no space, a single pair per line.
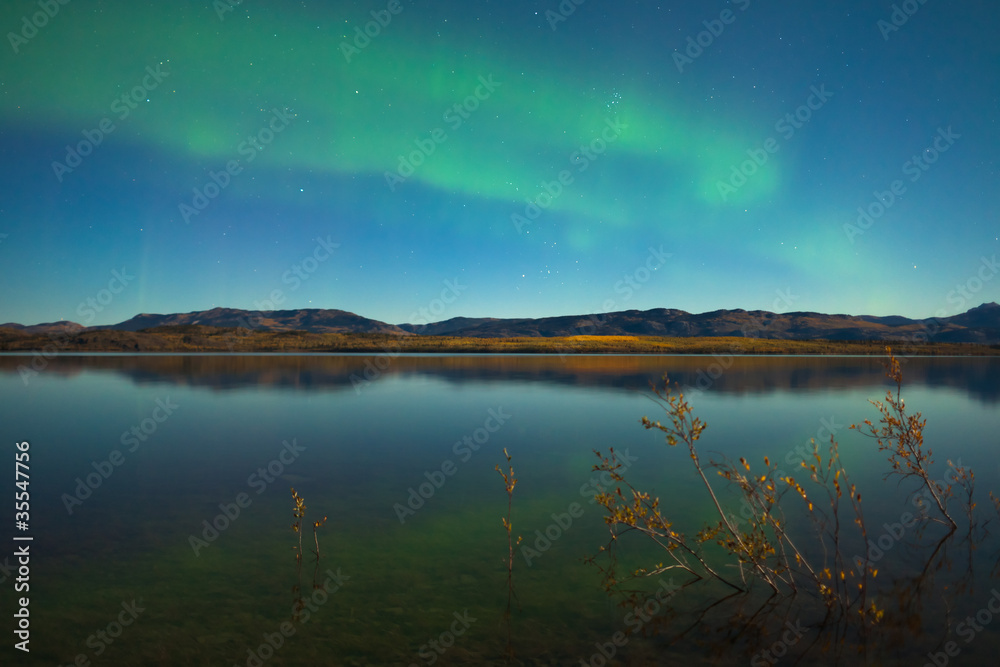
62,326
978,325
313,320
448,327
985,316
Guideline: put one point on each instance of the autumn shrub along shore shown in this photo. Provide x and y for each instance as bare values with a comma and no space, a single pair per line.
509,483
798,534
299,513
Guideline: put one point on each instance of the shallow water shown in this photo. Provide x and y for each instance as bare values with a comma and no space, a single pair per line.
399,454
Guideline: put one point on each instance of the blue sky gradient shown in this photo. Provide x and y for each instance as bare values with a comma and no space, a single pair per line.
700,167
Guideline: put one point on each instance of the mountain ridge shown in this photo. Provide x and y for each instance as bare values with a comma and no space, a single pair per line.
980,324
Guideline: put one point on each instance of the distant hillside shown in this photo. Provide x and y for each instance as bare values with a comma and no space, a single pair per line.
448,327
979,325
313,320
62,326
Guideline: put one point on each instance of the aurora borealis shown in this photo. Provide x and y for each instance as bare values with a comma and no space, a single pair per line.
534,152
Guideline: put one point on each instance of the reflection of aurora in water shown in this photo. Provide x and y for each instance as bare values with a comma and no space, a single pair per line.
362,452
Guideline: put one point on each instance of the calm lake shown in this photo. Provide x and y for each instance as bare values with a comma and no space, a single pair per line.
161,509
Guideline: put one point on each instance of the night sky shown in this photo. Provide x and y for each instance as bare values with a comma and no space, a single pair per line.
498,158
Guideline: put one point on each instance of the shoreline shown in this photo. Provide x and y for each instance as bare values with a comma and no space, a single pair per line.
205,340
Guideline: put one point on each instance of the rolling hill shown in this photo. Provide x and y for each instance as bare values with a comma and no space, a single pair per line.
979,325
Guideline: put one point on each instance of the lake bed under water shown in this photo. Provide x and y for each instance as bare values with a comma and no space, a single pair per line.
160,496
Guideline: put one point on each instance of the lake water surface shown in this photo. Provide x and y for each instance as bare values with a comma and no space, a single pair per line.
139,465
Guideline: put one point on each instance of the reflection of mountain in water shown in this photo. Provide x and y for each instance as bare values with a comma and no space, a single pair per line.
738,375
